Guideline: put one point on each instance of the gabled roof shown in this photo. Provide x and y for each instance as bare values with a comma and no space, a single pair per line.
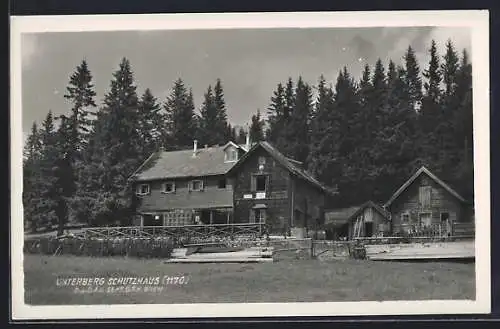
423,170
372,204
238,146
284,161
175,164
337,217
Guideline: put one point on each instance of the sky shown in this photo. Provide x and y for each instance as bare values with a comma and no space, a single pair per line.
250,63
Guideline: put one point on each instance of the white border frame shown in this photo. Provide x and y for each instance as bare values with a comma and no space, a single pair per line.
477,21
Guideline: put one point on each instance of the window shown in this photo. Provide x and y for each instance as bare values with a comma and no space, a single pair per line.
445,217
260,183
168,187
196,185
142,189
405,217
222,183
231,154
425,196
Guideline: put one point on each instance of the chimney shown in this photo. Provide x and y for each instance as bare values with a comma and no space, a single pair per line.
247,144
195,147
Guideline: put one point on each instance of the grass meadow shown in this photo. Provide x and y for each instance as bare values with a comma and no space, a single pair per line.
283,281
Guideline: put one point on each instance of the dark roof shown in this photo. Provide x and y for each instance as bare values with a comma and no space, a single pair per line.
423,170
284,161
375,206
338,217
175,164
341,216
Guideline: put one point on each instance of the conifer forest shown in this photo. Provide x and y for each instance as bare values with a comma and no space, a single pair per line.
362,136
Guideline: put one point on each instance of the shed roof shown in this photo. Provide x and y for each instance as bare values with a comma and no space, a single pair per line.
338,217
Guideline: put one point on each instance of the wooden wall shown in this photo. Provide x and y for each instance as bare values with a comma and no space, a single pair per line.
380,223
307,199
183,198
277,194
441,201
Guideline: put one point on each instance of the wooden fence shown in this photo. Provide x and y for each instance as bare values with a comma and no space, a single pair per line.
192,232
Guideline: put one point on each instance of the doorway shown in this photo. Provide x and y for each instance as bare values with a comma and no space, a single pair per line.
368,229
445,223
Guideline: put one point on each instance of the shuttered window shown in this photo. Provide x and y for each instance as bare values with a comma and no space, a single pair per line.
425,196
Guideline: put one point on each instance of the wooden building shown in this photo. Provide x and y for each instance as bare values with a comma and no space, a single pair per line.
367,220
271,188
228,184
337,222
370,220
426,203
187,187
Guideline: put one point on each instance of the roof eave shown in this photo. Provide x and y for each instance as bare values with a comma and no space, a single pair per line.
177,177
423,169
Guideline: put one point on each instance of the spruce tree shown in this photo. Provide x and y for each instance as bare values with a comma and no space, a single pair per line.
379,168
276,119
81,94
256,128
431,112
433,76
463,129
149,124
31,178
180,117
341,169
65,180
46,203
286,133
446,151
450,68
412,78
299,122
221,122
115,151
76,128
242,136
209,120
320,128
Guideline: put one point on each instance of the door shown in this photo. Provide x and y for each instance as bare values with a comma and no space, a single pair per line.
446,223
368,229
425,219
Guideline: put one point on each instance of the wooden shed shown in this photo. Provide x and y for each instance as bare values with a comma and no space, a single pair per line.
426,204
366,220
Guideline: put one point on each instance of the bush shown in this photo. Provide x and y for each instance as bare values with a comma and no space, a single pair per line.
95,247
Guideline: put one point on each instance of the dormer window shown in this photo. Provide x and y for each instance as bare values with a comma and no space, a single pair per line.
142,189
168,187
231,155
